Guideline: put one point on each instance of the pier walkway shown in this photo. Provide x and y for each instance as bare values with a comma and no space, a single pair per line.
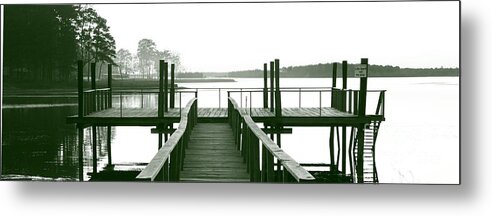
212,156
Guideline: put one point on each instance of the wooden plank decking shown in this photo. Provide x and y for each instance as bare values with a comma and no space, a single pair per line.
148,116
211,156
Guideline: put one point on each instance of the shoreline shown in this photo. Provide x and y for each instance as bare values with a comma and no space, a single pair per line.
146,85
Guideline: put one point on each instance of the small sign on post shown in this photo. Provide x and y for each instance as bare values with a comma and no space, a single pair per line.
360,71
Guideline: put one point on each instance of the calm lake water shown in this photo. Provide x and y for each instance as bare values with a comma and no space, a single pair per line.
418,143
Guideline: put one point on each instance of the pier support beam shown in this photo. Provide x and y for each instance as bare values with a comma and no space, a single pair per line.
94,150
162,129
108,142
334,75
110,81
265,85
333,165
93,75
166,87
94,128
109,105
160,108
278,100
344,129
278,112
272,87
361,127
80,87
172,92
81,152
80,90
272,109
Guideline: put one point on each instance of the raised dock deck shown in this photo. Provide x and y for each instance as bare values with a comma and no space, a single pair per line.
290,116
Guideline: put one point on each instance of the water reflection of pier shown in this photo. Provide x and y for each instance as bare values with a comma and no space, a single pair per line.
225,143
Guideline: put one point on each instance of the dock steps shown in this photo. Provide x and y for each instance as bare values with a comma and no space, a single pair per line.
369,168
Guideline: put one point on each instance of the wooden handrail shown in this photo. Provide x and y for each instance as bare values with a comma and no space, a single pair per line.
155,166
93,90
289,164
94,100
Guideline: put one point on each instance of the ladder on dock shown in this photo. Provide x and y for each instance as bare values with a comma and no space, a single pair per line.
211,156
370,174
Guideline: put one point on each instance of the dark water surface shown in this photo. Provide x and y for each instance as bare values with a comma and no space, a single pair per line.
36,141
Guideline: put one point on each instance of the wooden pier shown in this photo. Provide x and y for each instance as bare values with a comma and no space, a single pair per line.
215,144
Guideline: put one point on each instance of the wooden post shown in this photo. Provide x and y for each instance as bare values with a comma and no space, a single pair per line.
344,129
110,81
93,108
81,150
344,74
108,142
363,89
171,103
334,75
333,166
80,87
278,101
361,127
160,108
166,87
332,149
93,75
265,85
94,150
263,163
278,109
272,86
93,86
278,175
270,168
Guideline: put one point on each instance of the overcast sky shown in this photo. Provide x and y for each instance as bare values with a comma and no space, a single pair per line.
226,37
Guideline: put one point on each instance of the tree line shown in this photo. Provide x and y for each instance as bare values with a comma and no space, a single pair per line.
43,42
326,70
145,63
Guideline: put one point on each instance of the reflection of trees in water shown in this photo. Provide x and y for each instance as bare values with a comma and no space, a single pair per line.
38,142
101,147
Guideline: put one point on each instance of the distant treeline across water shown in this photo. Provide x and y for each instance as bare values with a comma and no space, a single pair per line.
326,70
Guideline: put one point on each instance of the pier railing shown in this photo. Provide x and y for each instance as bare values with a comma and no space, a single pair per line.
168,162
345,100
220,95
96,100
147,99
216,97
254,143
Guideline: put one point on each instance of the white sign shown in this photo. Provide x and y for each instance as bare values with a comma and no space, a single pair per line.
361,71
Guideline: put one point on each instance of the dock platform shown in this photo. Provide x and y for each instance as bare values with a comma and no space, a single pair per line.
290,116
